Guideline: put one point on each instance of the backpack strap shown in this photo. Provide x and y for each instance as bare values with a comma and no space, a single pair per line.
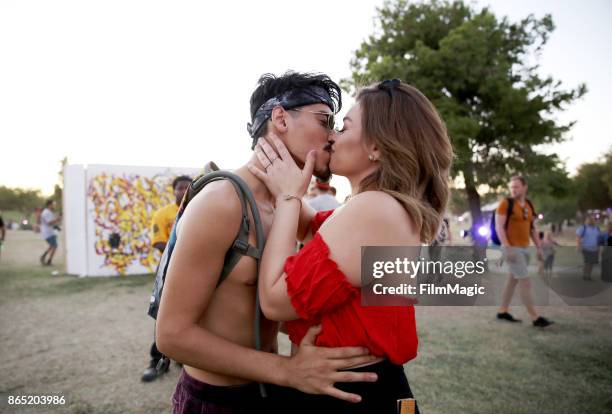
533,211
241,246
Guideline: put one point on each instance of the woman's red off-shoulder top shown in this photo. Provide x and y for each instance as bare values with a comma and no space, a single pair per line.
321,294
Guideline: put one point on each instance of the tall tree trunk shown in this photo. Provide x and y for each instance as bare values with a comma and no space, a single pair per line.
473,199
480,243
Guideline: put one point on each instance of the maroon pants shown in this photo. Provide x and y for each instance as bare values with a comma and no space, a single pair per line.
195,397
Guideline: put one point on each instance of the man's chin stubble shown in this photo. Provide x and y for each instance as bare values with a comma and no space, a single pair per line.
323,175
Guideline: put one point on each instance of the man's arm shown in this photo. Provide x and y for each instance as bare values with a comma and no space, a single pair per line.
159,236
535,237
578,239
500,221
208,228
371,219
46,217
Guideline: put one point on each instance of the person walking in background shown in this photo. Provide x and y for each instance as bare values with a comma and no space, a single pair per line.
443,238
322,197
163,219
161,227
587,241
2,234
606,254
548,252
514,239
48,224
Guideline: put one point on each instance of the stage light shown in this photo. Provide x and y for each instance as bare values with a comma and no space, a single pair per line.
483,231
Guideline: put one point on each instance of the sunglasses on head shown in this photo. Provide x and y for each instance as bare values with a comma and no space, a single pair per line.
388,85
330,121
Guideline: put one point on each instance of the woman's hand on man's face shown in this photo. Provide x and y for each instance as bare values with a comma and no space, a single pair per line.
282,176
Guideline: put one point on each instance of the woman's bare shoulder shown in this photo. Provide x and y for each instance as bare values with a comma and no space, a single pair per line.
370,213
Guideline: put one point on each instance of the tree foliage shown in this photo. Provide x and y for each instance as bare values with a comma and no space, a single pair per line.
594,184
482,74
18,199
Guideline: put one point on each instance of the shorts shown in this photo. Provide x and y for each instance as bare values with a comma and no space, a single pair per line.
52,240
194,396
548,262
518,265
590,257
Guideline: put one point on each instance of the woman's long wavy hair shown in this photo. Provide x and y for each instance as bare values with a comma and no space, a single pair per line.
415,151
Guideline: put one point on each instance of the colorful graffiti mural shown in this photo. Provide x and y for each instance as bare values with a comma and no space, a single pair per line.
123,205
107,216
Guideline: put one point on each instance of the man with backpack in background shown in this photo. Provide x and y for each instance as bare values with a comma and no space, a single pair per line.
587,242
161,226
205,318
514,226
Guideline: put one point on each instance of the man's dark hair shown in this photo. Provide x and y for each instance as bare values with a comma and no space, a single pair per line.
179,179
49,202
270,86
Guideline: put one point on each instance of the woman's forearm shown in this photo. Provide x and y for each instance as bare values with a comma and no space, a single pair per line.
281,242
307,213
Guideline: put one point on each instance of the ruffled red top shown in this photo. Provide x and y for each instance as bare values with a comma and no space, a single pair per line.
321,294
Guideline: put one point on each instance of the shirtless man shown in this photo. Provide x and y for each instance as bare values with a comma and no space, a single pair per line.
210,329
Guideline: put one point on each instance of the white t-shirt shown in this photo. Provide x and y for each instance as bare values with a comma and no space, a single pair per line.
46,229
323,202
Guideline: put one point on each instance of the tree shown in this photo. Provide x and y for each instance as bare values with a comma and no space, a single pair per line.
23,200
59,188
594,184
554,195
481,73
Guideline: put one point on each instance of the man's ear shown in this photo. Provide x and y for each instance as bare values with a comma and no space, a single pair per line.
279,119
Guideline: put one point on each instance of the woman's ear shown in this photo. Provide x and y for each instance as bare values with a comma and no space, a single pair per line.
279,119
373,152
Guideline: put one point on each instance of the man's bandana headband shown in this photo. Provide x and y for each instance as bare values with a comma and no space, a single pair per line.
288,100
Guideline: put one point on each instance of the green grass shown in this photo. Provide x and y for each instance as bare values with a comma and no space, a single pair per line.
468,361
20,281
471,363
14,216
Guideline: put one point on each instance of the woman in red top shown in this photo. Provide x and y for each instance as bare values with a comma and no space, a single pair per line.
395,152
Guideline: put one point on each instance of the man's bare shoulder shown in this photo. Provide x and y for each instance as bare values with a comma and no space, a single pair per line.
214,211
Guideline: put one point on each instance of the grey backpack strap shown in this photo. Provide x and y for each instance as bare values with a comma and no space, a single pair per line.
241,246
